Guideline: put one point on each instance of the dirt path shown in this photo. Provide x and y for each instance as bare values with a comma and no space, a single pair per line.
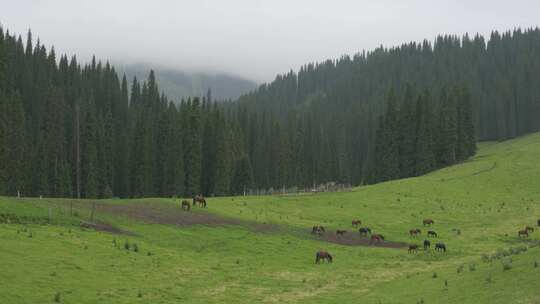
354,239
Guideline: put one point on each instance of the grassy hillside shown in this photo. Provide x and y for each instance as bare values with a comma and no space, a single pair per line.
259,249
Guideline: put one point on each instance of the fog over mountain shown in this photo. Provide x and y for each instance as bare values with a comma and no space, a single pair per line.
178,85
251,38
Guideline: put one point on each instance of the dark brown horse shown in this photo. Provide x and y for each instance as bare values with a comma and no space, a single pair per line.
415,232
356,222
323,255
413,248
376,238
364,231
341,232
523,232
529,229
428,222
427,244
431,233
538,222
440,247
185,205
317,229
199,199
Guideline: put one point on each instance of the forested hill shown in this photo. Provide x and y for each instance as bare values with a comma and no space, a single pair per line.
502,74
69,130
178,85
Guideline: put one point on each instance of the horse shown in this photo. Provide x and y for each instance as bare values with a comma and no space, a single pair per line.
529,229
199,199
538,222
440,246
341,232
428,222
356,222
317,230
185,205
431,233
413,248
323,255
523,232
377,238
364,231
427,244
414,232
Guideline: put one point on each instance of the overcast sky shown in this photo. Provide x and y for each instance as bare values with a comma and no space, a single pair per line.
252,38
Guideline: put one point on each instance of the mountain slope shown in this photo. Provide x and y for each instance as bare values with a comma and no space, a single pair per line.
259,249
177,84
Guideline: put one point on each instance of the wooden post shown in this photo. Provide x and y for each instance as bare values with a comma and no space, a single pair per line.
77,150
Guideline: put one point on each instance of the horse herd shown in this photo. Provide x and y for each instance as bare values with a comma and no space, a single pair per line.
413,248
376,238
197,199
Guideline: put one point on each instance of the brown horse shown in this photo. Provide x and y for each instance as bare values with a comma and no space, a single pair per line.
317,229
185,205
523,232
440,247
199,199
415,232
432,233
428,222
364,231
341,232
529,229
413,248
323,255
356,222
538,222
376,238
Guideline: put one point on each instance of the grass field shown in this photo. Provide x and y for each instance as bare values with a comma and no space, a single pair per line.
259,249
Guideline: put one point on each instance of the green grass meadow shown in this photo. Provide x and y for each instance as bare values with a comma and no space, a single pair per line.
487,199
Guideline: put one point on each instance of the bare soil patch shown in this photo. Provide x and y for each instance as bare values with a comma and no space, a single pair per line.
101,226
164,214
354,239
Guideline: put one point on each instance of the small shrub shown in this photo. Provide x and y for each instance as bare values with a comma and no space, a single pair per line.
434,275
75,213
460,269
30,235
472,267
507,264
139,294
535,264
486,258
421,301
135,247
126,245
149,253
237,262
446,283
57,297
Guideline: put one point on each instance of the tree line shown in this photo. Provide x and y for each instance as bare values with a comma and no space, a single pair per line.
72,130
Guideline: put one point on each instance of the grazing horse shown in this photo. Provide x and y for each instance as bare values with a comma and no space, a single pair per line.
376,238
364,231
317,230
341,232
524,233
356,222
323,255
427,244
415,232
538,222
432,233
199,199
440,246
428,222
413,248
185,205
529,229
